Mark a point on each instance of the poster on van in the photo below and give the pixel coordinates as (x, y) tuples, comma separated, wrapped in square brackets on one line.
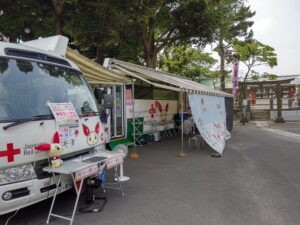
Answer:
[(67, 120), (64, 113)]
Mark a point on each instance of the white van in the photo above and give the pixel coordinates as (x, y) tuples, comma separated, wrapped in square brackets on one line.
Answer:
[(32, 75)]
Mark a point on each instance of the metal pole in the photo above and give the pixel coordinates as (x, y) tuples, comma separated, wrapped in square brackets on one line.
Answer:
[(77, 198), (133, 116), (54, 198), (181, 99), (133, 154), (181, 153)]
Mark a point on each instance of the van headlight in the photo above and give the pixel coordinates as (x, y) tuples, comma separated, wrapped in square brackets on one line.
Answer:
[(17, 174)]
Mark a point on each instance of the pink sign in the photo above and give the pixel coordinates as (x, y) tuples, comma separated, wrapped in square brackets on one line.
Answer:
[(235, 77), (114, 161), (86, 172), (129, 100)]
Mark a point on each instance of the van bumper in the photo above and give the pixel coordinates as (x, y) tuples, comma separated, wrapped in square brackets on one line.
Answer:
[(26, 193)]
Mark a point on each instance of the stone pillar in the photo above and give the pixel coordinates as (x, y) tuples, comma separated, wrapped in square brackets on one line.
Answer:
[(290, 103), (271, 104), (279, 118), (249, 105)]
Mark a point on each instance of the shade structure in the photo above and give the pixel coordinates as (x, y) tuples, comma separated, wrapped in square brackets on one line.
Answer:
[(167, 81), (93, 72), (162, 79)]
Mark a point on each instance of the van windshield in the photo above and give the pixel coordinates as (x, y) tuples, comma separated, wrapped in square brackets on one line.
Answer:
[(27, 87)]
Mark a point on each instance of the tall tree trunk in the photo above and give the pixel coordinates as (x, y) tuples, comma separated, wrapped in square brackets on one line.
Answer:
[(100, 54), (222, 62), (149, 45), (58, 7), (245, 86), (151, 59)]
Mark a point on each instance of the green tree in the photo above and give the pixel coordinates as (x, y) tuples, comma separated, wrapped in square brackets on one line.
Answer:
[(188, 62), (29, 19), (233, 22), (131, 30), (101, 29), (253, 53), (161, 23), (26, 19), (268, 76)]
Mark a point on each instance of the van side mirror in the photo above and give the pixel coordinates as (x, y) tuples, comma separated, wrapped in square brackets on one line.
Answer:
[(108, 101), (99, 94), (104, 113)]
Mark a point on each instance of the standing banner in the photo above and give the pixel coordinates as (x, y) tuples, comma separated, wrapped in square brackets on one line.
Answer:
[(210, 118), (235, 77), (129, 100)]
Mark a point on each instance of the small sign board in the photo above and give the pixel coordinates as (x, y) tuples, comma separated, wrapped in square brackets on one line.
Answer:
[(64, 113), (86, 172), (114, 161), (129, 100)]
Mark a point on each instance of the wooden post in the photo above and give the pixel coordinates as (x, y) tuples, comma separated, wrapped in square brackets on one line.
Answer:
[(290, 102), (181, 153), (271, 104), (279, 118), (249, 105), (133, 155)]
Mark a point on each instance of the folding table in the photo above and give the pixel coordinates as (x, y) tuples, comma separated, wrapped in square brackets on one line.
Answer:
[(78, 170)]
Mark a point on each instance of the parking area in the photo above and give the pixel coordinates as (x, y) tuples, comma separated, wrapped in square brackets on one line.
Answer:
[(255, 182)]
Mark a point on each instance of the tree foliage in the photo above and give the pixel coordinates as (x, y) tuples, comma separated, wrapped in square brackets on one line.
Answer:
[(188, 62), (234, 21), (138, 31), (26, 19), (266, 76), (162, 23), (253, 53), (95, 27)]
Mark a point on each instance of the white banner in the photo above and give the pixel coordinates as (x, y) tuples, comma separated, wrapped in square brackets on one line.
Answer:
[(153, 110), (210, 118)]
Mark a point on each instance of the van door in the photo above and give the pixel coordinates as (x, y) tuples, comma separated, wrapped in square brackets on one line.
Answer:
[(118, 111)]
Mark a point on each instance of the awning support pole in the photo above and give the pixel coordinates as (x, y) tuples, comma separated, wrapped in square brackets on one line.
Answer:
[(181, 153), (133, 154)]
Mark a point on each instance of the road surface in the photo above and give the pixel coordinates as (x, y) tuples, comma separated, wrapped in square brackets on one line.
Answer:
[(256, 182)]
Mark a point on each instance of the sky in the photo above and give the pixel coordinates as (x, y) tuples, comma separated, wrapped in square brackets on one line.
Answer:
[(277, 23)]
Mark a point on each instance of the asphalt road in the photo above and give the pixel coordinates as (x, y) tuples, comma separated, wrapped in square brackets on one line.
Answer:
[(256, 182)]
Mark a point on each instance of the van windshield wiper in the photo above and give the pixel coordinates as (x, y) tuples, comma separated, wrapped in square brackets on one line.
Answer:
[(34, 118)]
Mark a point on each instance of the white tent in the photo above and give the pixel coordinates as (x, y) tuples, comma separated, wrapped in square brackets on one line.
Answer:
[(163, 80)]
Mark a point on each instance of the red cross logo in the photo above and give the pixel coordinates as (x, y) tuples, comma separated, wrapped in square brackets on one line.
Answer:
[(152, 111), (10, 152)]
